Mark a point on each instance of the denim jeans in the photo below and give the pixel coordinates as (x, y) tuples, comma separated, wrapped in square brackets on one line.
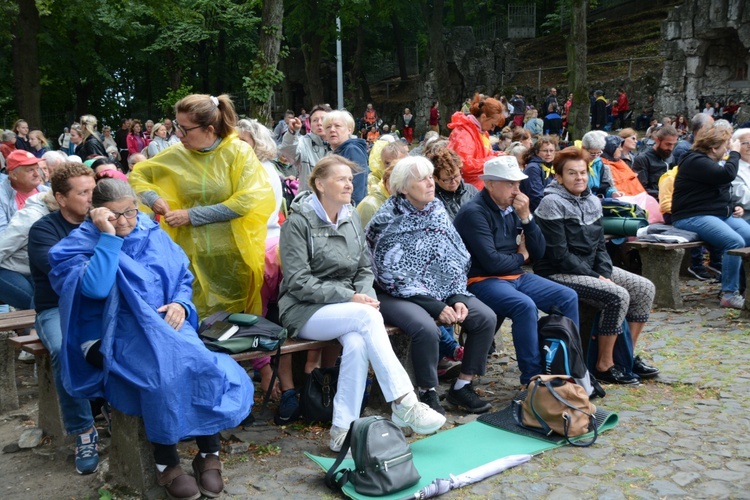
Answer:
[(448, 345), (722, 234), (519, 300), (16, 289), (76, 413)]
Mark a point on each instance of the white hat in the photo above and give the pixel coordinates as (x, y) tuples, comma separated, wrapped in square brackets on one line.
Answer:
[(502, 168)]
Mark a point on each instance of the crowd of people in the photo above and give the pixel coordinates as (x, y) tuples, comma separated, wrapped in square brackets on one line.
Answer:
[(140, 234)]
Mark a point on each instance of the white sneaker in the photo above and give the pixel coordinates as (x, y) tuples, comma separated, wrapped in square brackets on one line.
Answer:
[(420, 417), (338, 436), (26, 357)]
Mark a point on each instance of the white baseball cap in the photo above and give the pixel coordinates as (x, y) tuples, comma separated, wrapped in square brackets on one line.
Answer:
[(502, 168)]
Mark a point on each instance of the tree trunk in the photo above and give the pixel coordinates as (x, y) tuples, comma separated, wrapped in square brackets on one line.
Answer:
[(269, 47), (400, 50), (458, 12), (26, 64), (438, 61), (358, 75), (578, 120), (311, 43)]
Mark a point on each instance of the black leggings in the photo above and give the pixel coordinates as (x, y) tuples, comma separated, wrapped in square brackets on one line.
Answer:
[(166, 454)]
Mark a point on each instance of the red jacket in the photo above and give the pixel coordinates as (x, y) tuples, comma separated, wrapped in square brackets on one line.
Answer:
[(622, 103), (434, 116), (466, 140)]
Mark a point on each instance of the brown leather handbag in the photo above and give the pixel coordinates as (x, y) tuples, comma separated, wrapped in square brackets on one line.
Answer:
[(554, 403)]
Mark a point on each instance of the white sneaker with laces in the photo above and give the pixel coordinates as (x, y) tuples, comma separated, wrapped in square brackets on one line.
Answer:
[(26, 357), (420, 417), (338, 435)]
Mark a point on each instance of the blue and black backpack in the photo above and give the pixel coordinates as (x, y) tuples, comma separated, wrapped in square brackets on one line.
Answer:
[(562, 352)]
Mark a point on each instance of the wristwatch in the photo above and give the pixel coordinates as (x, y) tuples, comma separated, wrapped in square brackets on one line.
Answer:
[(527, 219)]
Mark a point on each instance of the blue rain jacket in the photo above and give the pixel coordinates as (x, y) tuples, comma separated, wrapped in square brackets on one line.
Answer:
[(168, 377)]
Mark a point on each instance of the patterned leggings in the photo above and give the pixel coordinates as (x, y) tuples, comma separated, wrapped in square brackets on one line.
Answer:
[(627, 296)]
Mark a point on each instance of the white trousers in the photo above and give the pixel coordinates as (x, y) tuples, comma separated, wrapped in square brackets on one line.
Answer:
[(361, 331)]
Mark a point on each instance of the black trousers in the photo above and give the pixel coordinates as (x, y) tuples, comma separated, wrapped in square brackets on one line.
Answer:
[(166, 454), (479, 326)]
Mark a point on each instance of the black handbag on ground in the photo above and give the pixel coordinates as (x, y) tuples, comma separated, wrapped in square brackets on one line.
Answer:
[(316, 400), (382, 459)]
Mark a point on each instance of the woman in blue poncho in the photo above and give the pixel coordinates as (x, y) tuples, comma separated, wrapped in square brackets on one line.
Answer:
[(129, 336)]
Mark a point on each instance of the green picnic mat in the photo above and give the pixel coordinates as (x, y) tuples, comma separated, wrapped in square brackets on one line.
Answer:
[(456, 451)]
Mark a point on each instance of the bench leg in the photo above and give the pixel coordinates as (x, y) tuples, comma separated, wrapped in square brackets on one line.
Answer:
[(8, 389), (131, 461), (662, 267), (50, 420)]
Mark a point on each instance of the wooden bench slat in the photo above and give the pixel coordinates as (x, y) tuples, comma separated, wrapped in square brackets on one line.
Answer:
[(664, 246), (17, 320), (21, 340), (740, 252), (35, 348)]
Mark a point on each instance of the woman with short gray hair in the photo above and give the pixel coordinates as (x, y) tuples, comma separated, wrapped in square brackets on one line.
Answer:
[(600, 176), (420, 265), (130, 337)]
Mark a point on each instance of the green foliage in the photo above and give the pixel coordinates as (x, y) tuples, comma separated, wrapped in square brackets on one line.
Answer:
[(104, 494), (167, 103), (261, 82)]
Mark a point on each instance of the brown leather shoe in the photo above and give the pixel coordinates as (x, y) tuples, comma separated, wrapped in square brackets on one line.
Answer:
[(208, 475), (178, 484)]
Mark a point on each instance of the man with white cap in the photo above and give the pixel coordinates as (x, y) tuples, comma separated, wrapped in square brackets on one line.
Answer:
[(24, 181), (499, 231)]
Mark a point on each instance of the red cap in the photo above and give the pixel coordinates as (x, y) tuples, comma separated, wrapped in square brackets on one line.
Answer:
[(20, 158)]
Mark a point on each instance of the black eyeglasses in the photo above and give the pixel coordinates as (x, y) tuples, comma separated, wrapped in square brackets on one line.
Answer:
[(128, 214), (182, 129)]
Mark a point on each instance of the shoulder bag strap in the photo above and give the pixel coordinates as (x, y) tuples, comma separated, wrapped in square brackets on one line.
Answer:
[(332, 481), (547, 430), (592, 419)]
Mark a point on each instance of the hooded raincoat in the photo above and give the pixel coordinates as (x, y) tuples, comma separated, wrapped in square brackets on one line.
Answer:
[(168, 377), (227, 257), (472, 145)]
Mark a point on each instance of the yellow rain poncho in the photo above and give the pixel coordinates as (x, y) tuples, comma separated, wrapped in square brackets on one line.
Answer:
[(227, 258)]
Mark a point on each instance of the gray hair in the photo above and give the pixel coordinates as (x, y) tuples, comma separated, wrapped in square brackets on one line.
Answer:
[(594, 139), (721, 123), (133, 159), (8, 135), (699, 121), (108, 190), (54, 158), (741, 132), (341, 116), (408, 169), (265, 147)]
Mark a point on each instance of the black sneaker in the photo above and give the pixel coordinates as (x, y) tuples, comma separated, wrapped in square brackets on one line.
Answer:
[(701, 273), (289, 410), (467, 399), (431, 399), (643, 370)]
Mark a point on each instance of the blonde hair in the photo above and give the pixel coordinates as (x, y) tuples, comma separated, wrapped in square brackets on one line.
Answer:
[(342, 116), (88, 125), (39, 135), (209, 111), (323, 168)]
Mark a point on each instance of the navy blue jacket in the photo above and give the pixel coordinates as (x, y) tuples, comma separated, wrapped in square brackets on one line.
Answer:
[(490, 237), (356, 151)]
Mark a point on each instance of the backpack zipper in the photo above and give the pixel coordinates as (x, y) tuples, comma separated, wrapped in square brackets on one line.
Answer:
[(396, 461)]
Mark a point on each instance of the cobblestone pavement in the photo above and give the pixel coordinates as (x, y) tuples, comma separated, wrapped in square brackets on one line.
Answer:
[(682, 435)]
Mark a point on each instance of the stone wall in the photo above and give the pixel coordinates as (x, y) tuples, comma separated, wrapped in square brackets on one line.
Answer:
[(707, 51)]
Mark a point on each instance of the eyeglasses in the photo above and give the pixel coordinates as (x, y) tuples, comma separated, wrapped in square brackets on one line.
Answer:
[(451, 179), (128, 214), (594, 153), (184, 130), (745, 143)]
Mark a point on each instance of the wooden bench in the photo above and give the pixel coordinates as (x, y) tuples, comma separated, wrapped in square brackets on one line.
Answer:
[(16, 322), (661, 264), (744, 253)]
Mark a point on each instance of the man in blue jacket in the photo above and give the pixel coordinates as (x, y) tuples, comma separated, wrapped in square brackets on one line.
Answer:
[(499, 231)]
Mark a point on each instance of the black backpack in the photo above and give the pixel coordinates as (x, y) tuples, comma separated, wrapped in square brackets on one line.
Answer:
[(562, 352), (382, 459)]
